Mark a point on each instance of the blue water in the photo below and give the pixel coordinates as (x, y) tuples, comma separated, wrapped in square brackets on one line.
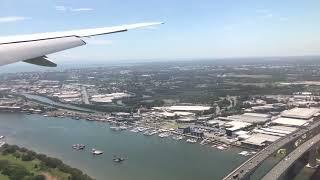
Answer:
[(148, 157)]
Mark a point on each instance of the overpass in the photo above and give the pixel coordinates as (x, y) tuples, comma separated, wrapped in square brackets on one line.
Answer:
[(285, 164), (293, 141)]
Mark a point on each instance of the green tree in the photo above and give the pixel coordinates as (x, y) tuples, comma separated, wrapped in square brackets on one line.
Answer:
[(27, 157), (3, 164), (17, 155)]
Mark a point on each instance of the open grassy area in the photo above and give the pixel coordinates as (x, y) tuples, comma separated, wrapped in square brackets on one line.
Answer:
[(18, 163), (3, 177), (29, 165), (33, 167)]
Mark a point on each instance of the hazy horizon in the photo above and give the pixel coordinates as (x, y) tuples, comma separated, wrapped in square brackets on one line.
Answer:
[(73, 64)]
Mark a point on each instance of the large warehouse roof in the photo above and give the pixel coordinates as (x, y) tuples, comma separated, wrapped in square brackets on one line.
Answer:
[(259, 139), (289, 121), (185, 108), (248, 117), (300, 113), (237, 125)]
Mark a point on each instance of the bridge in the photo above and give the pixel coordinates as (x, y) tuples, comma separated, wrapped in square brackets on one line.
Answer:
[(283, 167), (296, 144)]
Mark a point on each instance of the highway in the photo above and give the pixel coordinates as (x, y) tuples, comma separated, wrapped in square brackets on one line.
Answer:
[(290, 159), (247, 168), (84, 93)]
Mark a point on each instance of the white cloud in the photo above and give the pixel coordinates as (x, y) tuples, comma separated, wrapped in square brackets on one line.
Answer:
[(61, 8), (71, 9), (98, 42), (7, 19), (80, 9)]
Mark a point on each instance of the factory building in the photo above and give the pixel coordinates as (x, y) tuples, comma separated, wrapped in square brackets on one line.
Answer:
[(296, 117), (253, 118), (258, 140), (194, 109)]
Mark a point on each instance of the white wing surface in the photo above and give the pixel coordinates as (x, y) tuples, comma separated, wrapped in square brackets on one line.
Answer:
[(33, 48)]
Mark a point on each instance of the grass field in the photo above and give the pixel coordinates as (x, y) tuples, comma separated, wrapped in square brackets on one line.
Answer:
[(32, 167)]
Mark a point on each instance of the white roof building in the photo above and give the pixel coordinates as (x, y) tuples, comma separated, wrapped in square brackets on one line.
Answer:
[(260, 139), (102, 99), (176, 113), (254, 118), (184, 108), (237, 125), (289, 122), (300, 113)]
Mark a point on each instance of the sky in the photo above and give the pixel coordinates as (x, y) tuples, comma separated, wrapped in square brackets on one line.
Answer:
[(193, 28)]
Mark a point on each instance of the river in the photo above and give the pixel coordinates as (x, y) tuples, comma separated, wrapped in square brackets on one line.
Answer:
[(148, 157)]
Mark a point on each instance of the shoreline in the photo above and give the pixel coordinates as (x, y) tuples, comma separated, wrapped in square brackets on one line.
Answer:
[(110, 120)]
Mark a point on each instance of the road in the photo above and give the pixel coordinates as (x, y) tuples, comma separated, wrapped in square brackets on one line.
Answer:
[(84, 93), (285, 163), (247, 168)]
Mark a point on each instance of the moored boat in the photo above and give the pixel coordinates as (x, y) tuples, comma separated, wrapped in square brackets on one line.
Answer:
[(96, 152), (191, 140)]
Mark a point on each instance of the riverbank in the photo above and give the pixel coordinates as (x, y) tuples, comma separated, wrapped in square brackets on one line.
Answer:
[(21, 163), (145, 128), (207, 135)]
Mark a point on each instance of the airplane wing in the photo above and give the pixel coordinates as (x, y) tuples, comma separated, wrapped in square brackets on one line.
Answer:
[(33, 48)]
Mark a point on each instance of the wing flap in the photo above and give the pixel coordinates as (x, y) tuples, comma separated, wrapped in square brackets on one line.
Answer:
[(41, 61)]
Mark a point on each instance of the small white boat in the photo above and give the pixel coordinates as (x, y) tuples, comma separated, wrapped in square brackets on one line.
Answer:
[(164, 135), (115, 128), (78, 146), (1, 137), (191, 140), (96, 152), (244, 153), (180, 137), (135, 130), (122, 128), (221, 148)]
